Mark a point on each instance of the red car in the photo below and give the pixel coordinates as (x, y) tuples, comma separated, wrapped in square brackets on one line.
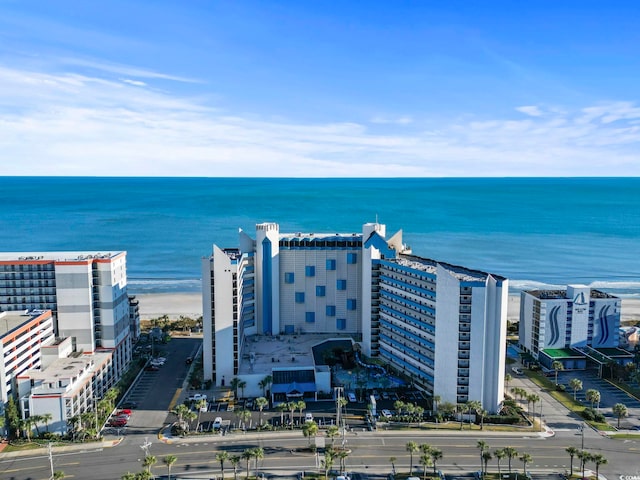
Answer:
[(124, 411), (117, 422)]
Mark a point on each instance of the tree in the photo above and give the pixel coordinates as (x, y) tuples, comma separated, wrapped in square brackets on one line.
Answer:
[(300, 405), (598, 459), (261, 402), (473, 406), (342, 455), (526, 458), (557, 366), (128, 476), (593, 396), (482, 446), (235, 383), (243, 416), (435, 454), (222, 457), (292, 408), (265, 383), (309, 429), (13, 418), (169, 460), (327, 462), (149, 461), (575, 384), (572, 451), (486, 456), (534, 398), (411, 447), (425, 461), (235, 461), (46, 418), (247, 455), (282, 407), (58, 475), (510, 453), (332, 432), (499, 454), (507, 379), (242, 385), (200, 405), (436, 401), (258, 454), (462, 407), (584, 457), (619, 410), (392, 460)]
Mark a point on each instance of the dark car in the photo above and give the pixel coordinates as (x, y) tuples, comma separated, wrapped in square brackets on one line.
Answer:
[(151, 368), (130, 405)]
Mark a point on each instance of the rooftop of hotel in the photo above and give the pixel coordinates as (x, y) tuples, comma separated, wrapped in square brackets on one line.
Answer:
[(55, 256), (14, 319), (562, 294), (262, 353), (430, 266)]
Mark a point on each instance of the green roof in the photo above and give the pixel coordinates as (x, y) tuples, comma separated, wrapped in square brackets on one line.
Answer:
[(614, 352), (562, 353)]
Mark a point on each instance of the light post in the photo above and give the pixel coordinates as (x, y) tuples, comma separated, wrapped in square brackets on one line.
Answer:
[(582, 433)]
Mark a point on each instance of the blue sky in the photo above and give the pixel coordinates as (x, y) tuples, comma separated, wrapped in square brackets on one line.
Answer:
[(311, 88)]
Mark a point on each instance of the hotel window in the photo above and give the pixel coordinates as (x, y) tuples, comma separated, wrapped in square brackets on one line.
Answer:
[(321, 291), (352, 258), (310, 271), (351, 303), (289, 277), (299, 297), (331, 264), (331, 310), (341, 284), (310, 317), (341, 323)]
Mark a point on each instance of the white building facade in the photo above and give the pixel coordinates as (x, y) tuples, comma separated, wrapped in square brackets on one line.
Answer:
[(86, 291), (422, 317)]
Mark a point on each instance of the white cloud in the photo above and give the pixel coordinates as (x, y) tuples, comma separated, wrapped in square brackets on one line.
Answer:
[(72, 124), (401, 120), (531, 110)]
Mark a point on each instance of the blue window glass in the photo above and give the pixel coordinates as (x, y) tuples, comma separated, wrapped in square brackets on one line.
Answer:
[(310, 271), (331, 310), (289, 277), (351, 303), (299, 297), (352, 258), (341, 284), (310, 317), (341, 323), (331, 264), (321, 291)]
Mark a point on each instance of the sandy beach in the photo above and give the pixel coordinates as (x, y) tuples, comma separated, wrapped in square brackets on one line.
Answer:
[(190, 305)]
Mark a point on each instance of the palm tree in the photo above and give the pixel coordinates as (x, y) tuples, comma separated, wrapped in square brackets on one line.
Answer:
[(332, 432), (282, 407), (507, 379), (584, 457), (169, 460), (575, 384), (482, 446), (557, 366), (58, 475), (258, 454), (598, 459), (435, 454), (128, 476), (235, 461), (222, 457), (462, 407), (243, 416), (342, 455), (327, 462), (619, 410), (46, 418), (189, 417), (200, 404), (265, 383), (261, 402), (436, 401), (393, 465), (292, 408), (526, 458), (593, 396), (181, 411), (242, 385), (149, 461), (411, 447), (235, 383), (486, 456), (572, 451), (144, 475), (499, 454), (309, 429), (475, 406), (247, 455), (510, 452), (534, 398), (425, 461), (300, 405)]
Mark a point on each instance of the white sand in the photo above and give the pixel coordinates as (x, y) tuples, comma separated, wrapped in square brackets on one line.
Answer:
[(190, 305), (171, 304)]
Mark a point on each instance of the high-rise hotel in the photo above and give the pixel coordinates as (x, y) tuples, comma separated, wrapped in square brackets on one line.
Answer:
[(441, 325)]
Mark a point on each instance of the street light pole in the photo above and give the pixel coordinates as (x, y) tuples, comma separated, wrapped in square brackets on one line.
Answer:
[(582, 430)]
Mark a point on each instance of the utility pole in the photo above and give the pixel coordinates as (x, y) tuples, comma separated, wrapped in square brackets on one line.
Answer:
[(582, 430), (51, 460)]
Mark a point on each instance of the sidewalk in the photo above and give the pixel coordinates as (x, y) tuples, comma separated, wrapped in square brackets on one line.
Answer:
[(76, 447)]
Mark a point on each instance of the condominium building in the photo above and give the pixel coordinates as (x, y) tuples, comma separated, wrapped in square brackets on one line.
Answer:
[(570, 326), (86, 291), (22, 335), (418, 315)]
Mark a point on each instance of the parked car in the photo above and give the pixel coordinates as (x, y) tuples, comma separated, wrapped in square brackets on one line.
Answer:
[(308, 417), (129, 405), (151, 368), (124, 411), (387, 413), (197, 397), (217, 423), (351, 397), (117, 422), (516, 370)]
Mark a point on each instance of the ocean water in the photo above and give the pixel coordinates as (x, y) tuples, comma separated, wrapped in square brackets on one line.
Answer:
[(535, 231)]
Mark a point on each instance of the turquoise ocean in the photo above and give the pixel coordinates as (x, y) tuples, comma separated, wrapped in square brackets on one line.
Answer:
[(535, 231)]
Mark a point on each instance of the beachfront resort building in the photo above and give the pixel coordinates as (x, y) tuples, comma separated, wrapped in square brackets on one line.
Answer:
[(86, 292), (440, 326), (578, 326), (22, 335)]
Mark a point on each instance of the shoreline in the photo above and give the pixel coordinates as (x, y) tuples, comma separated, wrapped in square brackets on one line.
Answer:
[(189, 304)]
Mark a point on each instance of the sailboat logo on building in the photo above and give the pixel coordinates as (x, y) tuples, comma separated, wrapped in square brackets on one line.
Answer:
[(579, 299)]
